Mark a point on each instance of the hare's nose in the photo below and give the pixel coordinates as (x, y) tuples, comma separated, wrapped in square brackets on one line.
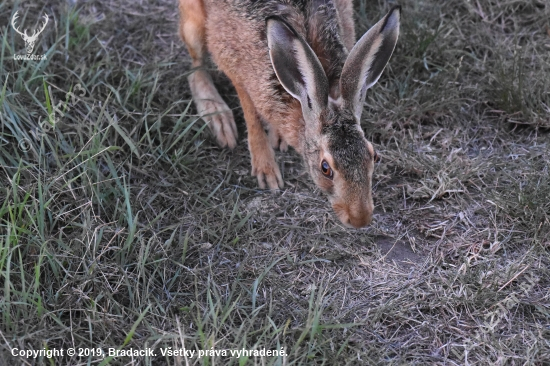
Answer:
[(360, 213), (360, 221), (354, 216)]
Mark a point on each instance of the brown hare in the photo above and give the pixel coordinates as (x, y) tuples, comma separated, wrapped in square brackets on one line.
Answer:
[(299, 75)]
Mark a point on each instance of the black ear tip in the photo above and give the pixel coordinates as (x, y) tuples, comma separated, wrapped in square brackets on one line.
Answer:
[(392, 19), (396, 8), (394, 12)]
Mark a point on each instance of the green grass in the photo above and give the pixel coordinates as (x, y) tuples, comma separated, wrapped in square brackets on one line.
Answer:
[(123, 225)]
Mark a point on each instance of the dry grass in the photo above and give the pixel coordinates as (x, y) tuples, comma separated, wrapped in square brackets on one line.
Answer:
[(125, 226)]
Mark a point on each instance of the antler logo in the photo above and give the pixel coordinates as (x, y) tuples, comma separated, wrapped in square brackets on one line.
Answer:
[(29, 40)]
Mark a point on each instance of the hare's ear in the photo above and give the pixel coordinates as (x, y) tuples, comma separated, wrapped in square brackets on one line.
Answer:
[(367, 60), (297, 67)]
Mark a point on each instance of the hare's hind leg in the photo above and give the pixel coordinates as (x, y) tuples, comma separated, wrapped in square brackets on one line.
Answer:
[(208, 101), (264, 166)]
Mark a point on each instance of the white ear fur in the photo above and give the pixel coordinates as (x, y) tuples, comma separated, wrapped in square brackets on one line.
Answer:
[(297, 67), (367, 59)]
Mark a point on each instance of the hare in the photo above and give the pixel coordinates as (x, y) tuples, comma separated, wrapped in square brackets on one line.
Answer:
[(299, 75)]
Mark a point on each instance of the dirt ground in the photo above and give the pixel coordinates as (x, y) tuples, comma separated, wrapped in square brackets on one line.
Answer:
[(123, 225)]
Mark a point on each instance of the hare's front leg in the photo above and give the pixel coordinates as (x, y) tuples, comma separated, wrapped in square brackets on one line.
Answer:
[(208, 101), (264, 166), (276, 140)]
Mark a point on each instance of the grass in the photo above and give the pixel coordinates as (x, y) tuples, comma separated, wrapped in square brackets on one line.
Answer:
[(123, 225)]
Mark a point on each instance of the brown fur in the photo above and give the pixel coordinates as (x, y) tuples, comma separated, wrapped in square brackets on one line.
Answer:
[(235, 34), (192, 29), (209, 103)]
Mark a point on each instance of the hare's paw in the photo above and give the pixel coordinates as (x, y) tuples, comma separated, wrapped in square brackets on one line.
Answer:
[(213, 110), (276, 140), (220, 120), (267, 171)]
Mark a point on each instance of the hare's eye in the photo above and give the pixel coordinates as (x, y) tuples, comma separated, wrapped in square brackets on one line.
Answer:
[(326, 169)]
